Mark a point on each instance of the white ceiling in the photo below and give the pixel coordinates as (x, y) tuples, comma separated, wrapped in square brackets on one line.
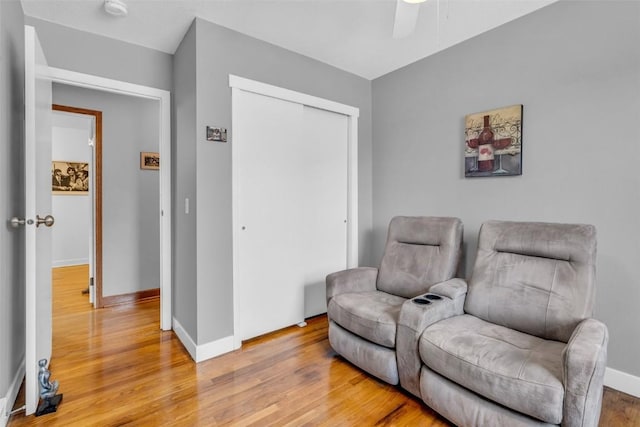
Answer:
[(353, 35)]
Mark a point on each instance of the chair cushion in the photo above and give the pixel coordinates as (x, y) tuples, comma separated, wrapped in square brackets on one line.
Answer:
[(370, 315), (514, 369)]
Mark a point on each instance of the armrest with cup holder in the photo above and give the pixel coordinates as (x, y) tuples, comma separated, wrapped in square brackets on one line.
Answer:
[(443, 300)]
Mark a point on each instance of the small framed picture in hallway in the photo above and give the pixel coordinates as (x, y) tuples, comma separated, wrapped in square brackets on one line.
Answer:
[(149, 160), (69, 178)]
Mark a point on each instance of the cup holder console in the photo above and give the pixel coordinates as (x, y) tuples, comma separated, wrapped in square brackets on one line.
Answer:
[(427, 299)]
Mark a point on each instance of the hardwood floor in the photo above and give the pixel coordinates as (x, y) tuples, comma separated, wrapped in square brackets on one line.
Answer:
[(116, 367)]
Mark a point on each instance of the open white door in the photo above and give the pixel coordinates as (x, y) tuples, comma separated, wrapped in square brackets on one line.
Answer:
[(38, 207)]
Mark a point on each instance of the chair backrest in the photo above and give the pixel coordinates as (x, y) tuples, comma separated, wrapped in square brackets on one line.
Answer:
[(420, 252), (538, 278)]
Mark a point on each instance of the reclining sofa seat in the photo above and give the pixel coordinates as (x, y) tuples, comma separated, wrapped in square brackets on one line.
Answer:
[(364, 304), (525, 351)]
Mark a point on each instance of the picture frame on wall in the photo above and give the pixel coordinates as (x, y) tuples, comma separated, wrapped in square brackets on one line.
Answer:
[(493, 142), (69, 178), (149, 160)]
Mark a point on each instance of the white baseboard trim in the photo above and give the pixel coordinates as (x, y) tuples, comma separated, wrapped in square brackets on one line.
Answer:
[(69, 262), (214, 348), (4, 417), (7, 402), (184, 338), (202, 352), (622, 381)]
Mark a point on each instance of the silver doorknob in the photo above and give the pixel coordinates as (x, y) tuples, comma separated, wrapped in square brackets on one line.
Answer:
[(47, 220), (16, 222)]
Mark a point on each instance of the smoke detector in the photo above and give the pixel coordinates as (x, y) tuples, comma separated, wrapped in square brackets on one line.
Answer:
[(115, 7)]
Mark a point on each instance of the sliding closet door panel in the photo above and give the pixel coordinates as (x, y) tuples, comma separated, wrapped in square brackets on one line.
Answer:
[(266, 133), (291, 189), (324, 238)]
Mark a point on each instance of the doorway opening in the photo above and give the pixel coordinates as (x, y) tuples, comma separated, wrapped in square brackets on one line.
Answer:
[(127, 193), (77, 160), (162, 126)]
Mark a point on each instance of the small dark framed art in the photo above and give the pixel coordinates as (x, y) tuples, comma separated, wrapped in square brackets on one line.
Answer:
[(149, 160)]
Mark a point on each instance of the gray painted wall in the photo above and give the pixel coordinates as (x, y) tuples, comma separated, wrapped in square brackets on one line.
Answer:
[(130, 195), (88, 53), (576, 68), (12, 326), (184, 184), (220, 52)]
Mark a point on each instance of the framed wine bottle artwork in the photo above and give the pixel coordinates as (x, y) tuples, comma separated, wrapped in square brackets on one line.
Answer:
[(493, 142)]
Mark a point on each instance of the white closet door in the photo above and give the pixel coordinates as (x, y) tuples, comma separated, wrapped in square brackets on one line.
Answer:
[(291, 185), (324, 238)]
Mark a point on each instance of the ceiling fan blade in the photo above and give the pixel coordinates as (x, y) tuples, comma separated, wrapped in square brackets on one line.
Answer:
[(406, 19)]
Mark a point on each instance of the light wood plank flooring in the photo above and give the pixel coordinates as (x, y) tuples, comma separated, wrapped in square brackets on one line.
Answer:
[(117, 368)]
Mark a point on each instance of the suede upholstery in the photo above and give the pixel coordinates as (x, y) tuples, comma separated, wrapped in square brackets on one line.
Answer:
[(517, 370), (534, 277), (370, 315), (361, 279), (525, 351), (420, 251), (584, 360), (380, 361), (465, 408), (414, 318), (364, 304)]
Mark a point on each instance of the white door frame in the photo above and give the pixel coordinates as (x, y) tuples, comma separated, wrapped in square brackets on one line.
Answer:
[(163, 97), (352, 113)]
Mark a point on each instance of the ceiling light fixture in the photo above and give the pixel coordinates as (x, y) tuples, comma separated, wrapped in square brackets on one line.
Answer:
[(414, 1), (115, 7)]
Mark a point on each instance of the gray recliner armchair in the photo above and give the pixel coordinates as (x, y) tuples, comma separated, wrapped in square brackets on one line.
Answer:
[(525, 351), (364, 304)]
